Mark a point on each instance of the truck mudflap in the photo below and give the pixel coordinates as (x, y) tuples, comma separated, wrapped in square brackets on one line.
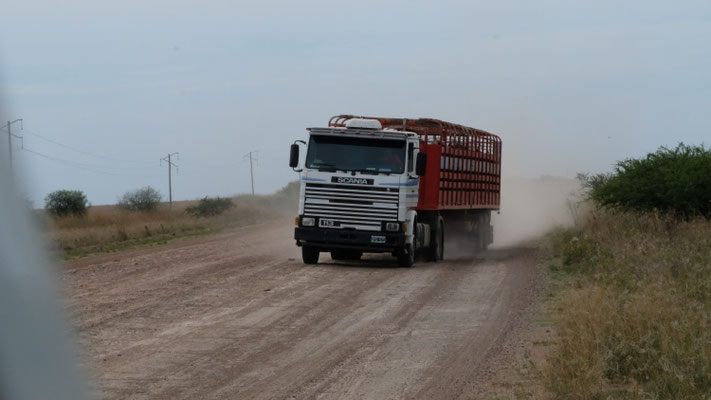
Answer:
[(327, 239)]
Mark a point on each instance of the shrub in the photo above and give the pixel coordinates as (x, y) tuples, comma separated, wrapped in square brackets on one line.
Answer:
[(145, 199), (209, 207), (676, 182), (66, 202)]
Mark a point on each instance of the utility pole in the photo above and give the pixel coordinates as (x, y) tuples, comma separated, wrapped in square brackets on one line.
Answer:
[(9, 138), (251, 167), (170, 163)]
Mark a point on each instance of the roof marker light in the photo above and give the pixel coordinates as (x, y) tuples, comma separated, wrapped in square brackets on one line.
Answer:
[(364, 123)]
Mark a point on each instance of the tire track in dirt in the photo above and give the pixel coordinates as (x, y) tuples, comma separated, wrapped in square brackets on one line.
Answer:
[(238, 315)]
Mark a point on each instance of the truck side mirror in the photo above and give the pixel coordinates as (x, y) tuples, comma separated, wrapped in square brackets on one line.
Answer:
[(421, 164), (294, 156)]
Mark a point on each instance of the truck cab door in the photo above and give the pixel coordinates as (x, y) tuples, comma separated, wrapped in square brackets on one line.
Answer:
[(412, 184)]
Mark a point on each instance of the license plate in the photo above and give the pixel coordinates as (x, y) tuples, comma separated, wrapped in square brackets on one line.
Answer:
[(377, 239), (327, 223)]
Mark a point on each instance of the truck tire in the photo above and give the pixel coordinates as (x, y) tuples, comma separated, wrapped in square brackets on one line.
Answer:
[(476, 234), (435, 251), (406, 258), (309, 255), (485, 231), (481, 233)]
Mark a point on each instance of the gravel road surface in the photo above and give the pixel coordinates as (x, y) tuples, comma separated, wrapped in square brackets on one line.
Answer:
[(238, 316)]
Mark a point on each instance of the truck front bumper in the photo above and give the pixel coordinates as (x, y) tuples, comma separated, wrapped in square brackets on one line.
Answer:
[(328, 239)]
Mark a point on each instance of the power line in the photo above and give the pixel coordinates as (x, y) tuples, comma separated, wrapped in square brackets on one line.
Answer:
[(82, 166), (88, 153), (200, 164), (65, 162), (99, 166)]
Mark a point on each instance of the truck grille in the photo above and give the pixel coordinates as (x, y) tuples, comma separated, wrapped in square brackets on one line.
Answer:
[(355, 207)]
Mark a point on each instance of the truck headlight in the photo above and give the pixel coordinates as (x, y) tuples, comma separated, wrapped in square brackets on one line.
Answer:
[(308, 221), (392, 226)]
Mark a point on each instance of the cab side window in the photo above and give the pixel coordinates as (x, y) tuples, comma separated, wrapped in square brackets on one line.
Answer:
[(410, 157)]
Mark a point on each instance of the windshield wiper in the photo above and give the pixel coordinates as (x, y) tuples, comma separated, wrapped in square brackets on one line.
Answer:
[(366, 171), (324, 167)]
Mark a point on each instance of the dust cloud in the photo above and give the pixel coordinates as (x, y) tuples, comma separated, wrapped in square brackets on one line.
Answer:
[(531, 207)]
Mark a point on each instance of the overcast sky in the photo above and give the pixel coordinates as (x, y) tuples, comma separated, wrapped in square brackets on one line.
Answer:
[(108, 88)]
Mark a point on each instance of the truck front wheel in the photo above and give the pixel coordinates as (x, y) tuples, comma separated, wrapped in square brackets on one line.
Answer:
[(406, 257), (309, 255)]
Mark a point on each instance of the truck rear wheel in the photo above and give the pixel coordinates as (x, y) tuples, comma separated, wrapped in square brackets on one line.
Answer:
[(435, 251), (484, 232), (309, 255)]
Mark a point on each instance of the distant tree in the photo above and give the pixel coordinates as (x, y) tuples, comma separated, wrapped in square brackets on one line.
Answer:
[(675, 182), (66, 202), (210, 206), (145, 199)]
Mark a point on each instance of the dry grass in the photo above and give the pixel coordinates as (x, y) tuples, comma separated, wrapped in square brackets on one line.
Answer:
[(633, 309), (107, 228)]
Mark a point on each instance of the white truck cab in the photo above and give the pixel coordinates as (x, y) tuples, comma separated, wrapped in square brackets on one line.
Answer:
[(359, 184)]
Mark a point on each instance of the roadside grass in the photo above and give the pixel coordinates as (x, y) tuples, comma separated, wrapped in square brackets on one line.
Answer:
[(109, 229), (631, 308)]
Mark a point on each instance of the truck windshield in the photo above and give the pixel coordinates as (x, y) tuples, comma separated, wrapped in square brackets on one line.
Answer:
[(356, 154)]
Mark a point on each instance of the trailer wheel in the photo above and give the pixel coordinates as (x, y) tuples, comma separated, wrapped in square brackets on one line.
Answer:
[(476, 234), (309, 255), (484, 232), (435, 251), (406, 258), (484, 237)]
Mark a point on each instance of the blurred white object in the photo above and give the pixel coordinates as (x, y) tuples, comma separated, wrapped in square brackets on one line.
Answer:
[(37, 357)]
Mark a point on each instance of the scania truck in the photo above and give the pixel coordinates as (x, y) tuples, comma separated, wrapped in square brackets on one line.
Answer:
[(395, 185)]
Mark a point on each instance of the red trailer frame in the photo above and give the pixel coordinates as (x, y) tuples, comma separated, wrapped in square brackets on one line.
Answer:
[(463, 163)]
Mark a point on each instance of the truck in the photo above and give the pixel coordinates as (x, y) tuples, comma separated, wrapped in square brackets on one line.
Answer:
[(395, 185)]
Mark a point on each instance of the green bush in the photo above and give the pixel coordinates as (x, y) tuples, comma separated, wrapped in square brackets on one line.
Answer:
[(66, 202), (674, 182), (210, 206), (145, 199)]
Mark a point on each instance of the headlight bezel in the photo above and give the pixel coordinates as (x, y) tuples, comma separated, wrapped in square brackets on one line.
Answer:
[(392, 226)]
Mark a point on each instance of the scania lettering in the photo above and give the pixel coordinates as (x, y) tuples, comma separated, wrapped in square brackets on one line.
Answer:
[(395, 185), (352, 181)]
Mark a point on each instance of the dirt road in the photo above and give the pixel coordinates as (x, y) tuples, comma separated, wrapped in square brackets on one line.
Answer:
[(238, 315)]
